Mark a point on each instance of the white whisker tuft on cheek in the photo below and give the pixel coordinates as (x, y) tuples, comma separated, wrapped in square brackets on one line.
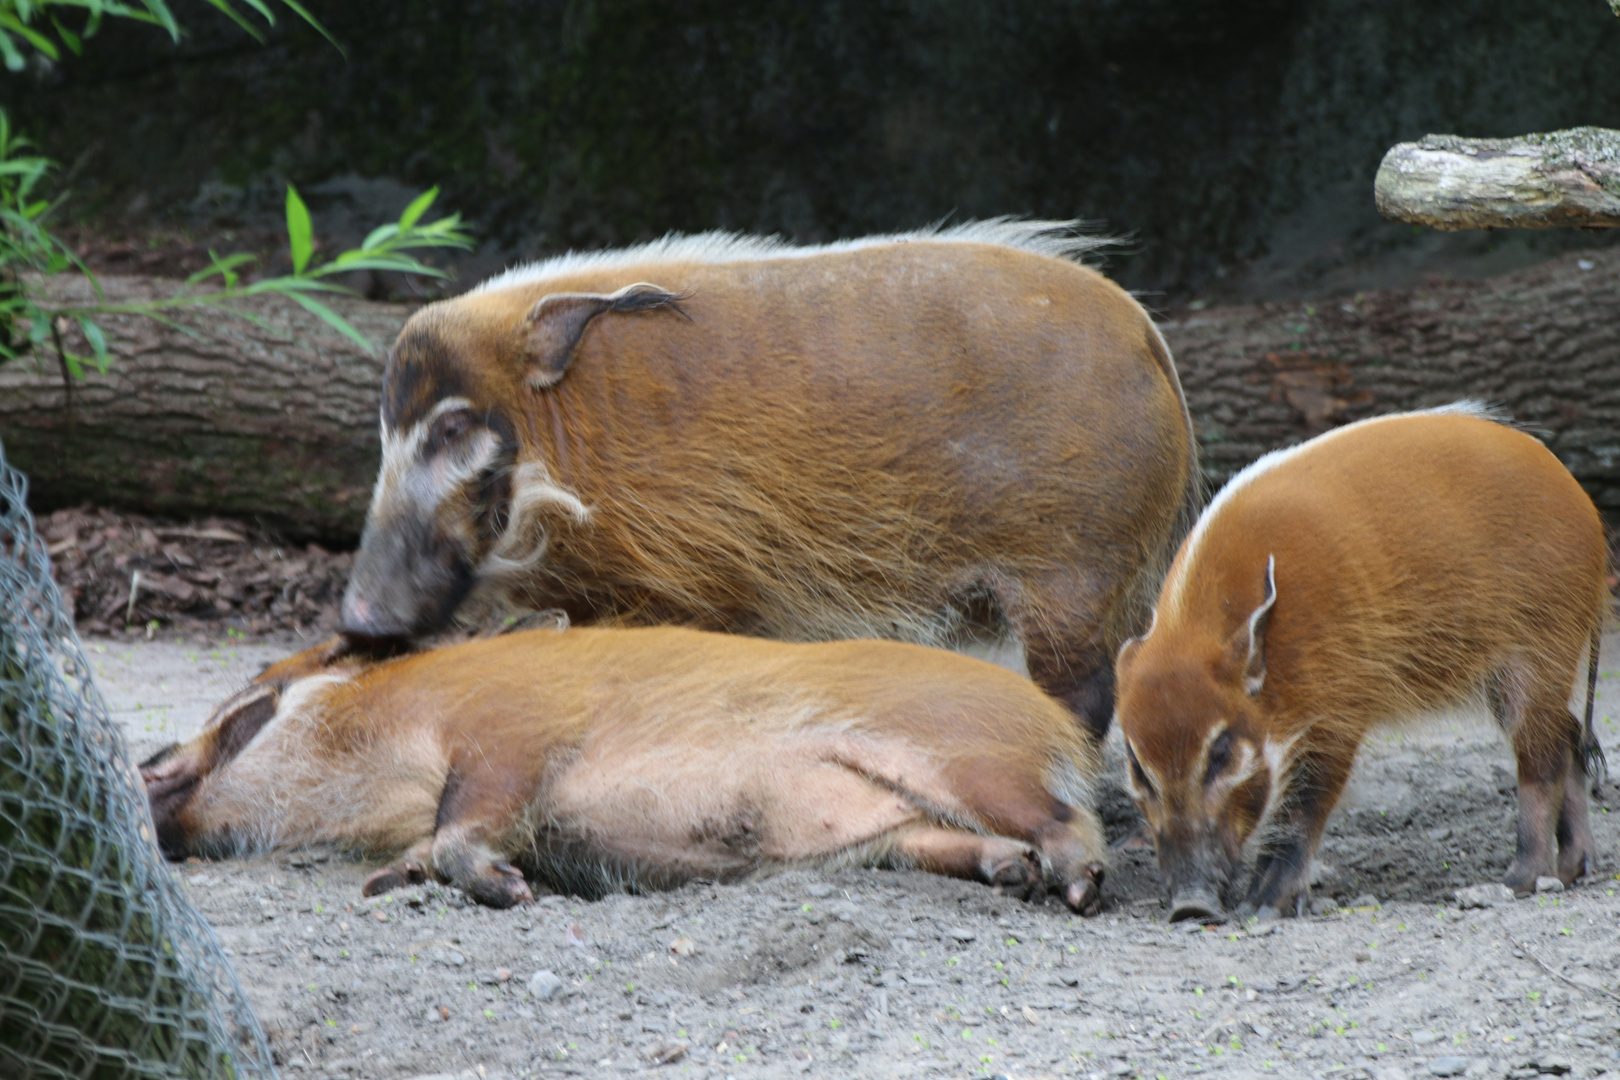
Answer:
[(523, 543)]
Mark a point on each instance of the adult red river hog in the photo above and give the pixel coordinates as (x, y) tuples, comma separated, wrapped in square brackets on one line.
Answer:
[(596, 759), (907, 437), (1389, 569)]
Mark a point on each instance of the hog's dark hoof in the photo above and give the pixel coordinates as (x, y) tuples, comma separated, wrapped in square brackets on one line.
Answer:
[(1201, 905), (1019, 877), (1085, 894), (1248, 913), (394, 877), (502, 886), (1523, 881)]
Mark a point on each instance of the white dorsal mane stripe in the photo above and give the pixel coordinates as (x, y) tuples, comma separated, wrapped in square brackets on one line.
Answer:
[(1176, 584), (1056, 239)]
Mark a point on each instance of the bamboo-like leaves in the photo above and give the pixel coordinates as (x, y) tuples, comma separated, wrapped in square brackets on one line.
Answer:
[(386, 249), (22, 21), (28, 248), (300, 233)]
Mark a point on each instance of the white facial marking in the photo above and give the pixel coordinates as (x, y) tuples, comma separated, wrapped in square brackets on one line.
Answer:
[(1147, 770), (1245, 764), (407, 485), (1279, 756)]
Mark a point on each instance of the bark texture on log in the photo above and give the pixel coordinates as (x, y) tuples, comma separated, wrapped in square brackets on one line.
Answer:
[(275, 422), (1529, 182), (279, 424), (1544, 344)]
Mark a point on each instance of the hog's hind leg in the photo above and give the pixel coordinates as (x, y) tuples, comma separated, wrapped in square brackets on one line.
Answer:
[(1553, 836), (1574, 830), (1057, 617), (1067, 839)]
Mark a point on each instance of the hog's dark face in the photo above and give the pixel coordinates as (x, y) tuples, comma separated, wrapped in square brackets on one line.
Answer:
[(1201, 780), (454, 505), (442, 496), (174, 775)]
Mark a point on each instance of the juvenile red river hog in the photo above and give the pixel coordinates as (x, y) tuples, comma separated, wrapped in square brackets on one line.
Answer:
[(592, 759), (929, 438), (1385, 571)]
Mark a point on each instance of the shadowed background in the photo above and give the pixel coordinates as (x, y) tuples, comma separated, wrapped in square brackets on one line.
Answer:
[(1235, 142)]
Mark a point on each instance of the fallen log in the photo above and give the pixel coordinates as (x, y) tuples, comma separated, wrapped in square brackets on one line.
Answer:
[(277, 423), (272, 420), (1544, 181), (1543, 344)]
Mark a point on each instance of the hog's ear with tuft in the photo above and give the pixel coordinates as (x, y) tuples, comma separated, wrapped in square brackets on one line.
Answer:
[(1251, 640), (554, 326)]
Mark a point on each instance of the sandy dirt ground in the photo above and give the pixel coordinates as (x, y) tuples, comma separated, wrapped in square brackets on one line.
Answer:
[(885, 974)]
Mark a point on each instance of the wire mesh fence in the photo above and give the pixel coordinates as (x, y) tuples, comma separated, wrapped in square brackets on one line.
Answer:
[(106, 970)]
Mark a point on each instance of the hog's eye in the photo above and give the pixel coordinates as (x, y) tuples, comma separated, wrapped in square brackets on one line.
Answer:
[(1143, 784), (1220, 756), (449, 428)]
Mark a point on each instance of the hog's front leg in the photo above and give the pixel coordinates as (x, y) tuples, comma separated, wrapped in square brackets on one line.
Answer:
[(1281, 882), (458, 860)]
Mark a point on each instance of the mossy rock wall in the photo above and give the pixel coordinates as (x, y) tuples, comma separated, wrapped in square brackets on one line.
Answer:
[(1206, 131)]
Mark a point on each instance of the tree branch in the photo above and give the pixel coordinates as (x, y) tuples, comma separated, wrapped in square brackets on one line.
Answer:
[(1528, 182)]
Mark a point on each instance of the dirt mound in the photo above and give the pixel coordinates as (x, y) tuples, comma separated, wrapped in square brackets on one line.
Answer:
[(125, 574)]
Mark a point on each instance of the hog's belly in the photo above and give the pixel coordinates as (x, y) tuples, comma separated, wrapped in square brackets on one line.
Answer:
[(727, 808)]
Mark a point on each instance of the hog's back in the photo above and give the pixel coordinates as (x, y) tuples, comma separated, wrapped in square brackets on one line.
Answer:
[(999, 372), (1415, 556), (898, 417)]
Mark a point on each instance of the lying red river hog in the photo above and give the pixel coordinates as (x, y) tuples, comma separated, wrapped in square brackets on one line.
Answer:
[(928, 438), (1389, 569), (595, 759)]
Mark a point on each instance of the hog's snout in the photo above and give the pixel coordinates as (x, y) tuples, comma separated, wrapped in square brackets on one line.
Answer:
[(1198, 871), (171, 779), (407, 583)]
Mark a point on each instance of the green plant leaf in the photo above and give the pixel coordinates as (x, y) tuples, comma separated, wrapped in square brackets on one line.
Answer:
[(332, 319), (360, 260), (226, 8), (69, 38), (418, 207), (224, 267), (8, 50), (303, 13), (378, 235), (32, 36), (300, 234), (290, 284), (98, 343), (156, 12)]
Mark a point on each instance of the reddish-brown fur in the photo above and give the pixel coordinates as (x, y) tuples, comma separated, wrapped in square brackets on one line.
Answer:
[(1421, 562), (595, 759), (897, 440)]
